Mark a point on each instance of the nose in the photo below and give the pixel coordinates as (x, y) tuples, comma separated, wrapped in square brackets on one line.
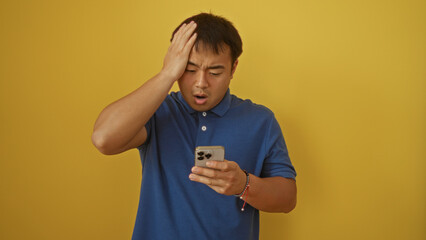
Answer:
[(201, 81)]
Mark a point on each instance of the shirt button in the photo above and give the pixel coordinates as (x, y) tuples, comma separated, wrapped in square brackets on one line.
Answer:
[(204, 114), (204, 128)]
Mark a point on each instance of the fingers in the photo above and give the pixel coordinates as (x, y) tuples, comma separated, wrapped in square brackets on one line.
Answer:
[(177, 32), (211, 182), (190, 43), (225, 177), (227, 185), (224, 168), (176, 59), (184, 33), (211, 173), (224, 165), (207, 176)]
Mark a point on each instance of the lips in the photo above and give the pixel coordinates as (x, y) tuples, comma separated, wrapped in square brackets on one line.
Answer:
[(200, 98)]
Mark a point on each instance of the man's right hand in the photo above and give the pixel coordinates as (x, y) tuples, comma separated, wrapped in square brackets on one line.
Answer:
[(177, 56), (121, 125)]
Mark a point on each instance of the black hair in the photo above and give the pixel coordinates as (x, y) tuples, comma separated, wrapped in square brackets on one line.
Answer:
[(213, 31)]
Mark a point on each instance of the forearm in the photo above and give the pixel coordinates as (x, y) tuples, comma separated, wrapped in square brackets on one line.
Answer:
[(120, 121), (121, 125), (275, 194)]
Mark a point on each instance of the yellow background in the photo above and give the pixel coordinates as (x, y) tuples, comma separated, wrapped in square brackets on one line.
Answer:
[(346, 80)]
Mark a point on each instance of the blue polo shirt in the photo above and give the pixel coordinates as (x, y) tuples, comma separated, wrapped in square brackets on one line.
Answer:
[(173, 207)]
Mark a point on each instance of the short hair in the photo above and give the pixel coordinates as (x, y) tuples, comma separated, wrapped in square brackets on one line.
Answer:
[(214, 31)]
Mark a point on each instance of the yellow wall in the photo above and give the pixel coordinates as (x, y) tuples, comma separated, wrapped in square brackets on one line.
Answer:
[(346, 80)]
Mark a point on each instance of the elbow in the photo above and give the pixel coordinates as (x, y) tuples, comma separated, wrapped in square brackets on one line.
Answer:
[(291, 200), (290, 206), (101, 143)]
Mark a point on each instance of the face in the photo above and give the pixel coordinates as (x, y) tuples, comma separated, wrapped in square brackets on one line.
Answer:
[(206, 78)]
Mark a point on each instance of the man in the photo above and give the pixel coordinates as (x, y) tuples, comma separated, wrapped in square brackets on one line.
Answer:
[(178, 200)]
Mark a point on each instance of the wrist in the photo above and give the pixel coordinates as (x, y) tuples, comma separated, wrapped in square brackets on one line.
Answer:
[(246, 182), (168, 76)]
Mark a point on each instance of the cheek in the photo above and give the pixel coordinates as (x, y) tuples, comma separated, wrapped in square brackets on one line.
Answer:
[(222, 84), (188, 77), (184, 82)]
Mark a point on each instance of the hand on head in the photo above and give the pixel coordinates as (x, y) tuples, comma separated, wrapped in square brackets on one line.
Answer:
[(178, 53)]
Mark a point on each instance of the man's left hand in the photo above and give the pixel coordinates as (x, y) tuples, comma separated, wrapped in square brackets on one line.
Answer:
[(225, 177)]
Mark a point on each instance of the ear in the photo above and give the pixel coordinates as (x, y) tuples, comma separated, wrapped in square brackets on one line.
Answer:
[(234, 67)]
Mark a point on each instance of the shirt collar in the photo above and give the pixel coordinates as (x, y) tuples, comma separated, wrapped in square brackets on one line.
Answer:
[(219, 109)]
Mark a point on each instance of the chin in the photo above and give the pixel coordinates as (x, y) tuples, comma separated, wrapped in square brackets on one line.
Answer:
[(200, 108)]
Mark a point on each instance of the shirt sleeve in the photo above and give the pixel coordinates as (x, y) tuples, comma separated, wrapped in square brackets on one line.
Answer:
[(148, 127), (277, 161)]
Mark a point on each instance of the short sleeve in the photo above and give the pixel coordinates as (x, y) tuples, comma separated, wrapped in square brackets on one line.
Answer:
[(148, 127), (277, 161)]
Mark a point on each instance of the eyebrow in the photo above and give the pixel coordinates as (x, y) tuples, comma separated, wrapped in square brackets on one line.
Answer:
[(209, 67)]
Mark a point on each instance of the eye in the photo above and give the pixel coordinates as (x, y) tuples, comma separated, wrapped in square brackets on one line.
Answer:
[(189, 70), (215, 74)]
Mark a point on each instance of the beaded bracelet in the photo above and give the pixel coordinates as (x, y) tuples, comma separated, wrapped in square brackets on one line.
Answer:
[(245, 191)]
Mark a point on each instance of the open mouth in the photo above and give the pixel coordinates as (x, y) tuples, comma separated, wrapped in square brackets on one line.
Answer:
[(200, 98)]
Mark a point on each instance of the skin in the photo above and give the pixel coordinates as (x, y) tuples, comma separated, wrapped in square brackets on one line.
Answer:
[(207, 75), (121, 125)]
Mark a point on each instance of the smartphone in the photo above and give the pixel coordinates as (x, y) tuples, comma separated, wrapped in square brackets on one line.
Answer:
[(206, 153)]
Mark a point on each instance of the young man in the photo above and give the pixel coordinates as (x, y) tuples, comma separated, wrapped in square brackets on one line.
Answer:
[(178, 200)]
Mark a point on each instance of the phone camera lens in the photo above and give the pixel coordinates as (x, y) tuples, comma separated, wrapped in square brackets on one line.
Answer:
[(208, 155)]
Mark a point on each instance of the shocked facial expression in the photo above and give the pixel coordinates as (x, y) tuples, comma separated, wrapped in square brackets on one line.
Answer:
[(207, 77)]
